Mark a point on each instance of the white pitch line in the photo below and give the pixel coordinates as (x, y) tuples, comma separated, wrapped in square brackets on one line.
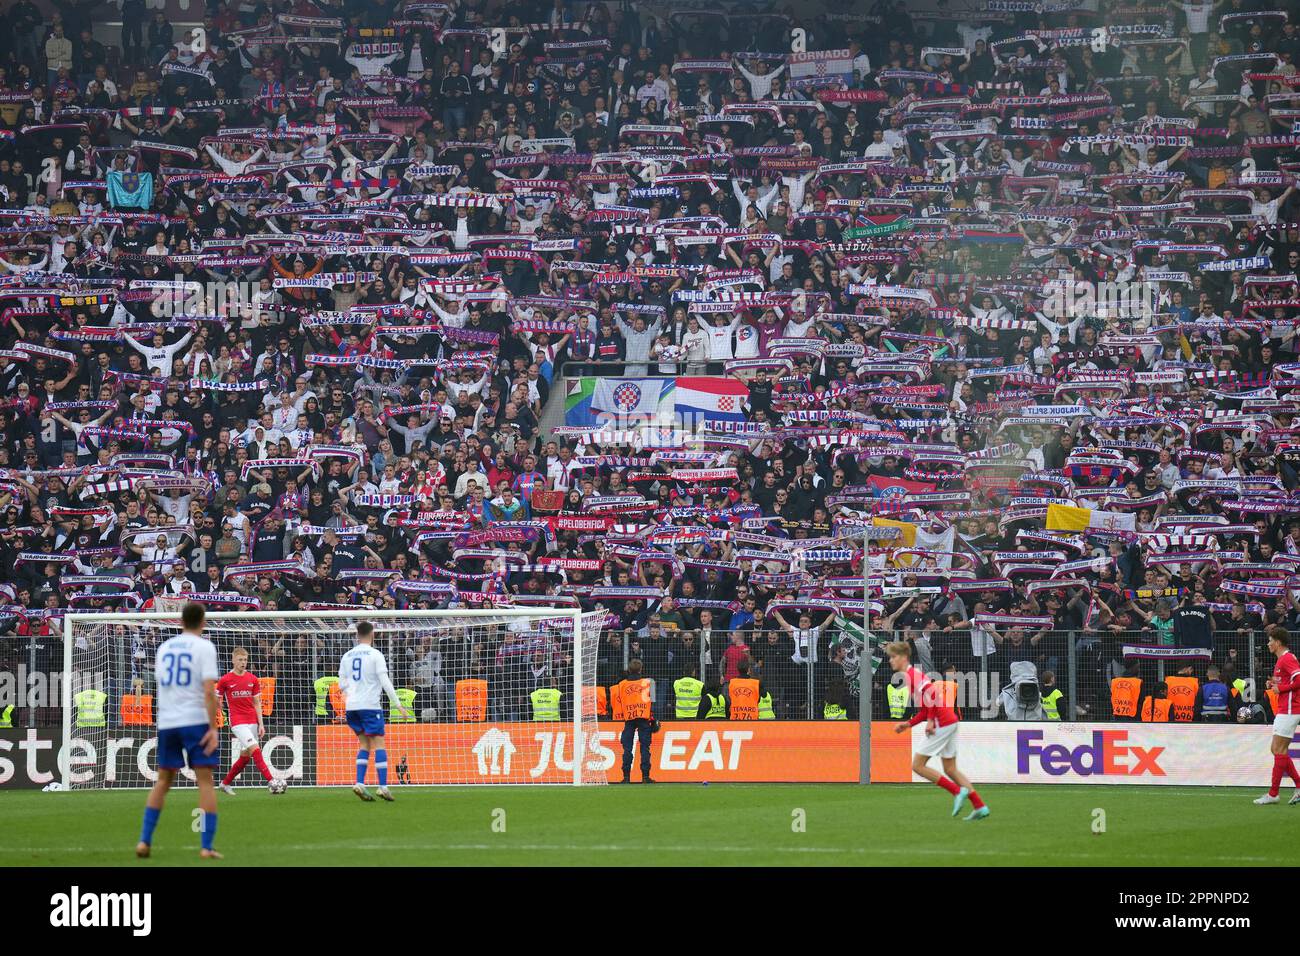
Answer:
[(693, 848)]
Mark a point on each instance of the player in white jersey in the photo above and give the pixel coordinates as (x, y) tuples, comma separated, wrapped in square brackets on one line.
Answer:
[(363, 679), (186, 671)]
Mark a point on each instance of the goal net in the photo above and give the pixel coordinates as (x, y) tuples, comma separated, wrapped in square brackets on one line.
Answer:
[(495, 696)]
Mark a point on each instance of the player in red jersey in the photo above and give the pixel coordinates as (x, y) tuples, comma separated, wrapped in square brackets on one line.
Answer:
[(243, 694), (1286, 681), (941, 723)]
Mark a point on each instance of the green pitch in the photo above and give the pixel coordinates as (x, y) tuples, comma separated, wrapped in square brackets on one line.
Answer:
[(738, 824)]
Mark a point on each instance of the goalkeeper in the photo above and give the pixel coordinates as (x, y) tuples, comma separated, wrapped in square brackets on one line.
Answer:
[(634, 691)]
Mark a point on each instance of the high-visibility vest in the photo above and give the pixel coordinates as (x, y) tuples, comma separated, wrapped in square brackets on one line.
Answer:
[(1160, 712), (137, 710), (546, 703), (717, 707), (616, 711), (897, 697), (405, 697), (743, 692), (1272, 700), (765, 711), (7, 718), (687, 691), (322, 686), (1214, 700), (90, 708), (636, 699), (1049, 703), (338, 701), (948, 693), (595, 702), (1124, 693), (1182, 695), (471, 700), (834, 712), (266, 689)]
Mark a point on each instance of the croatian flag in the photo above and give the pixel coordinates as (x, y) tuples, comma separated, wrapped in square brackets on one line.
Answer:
[(710, 398), (820, 68)]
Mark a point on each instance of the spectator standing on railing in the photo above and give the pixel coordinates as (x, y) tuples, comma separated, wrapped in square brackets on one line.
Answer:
[(638, 340)]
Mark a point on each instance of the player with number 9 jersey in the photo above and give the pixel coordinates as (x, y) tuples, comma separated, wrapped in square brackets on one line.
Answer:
[(364, 680)]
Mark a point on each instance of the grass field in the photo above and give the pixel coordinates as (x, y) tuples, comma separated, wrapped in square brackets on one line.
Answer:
[(737, 824)]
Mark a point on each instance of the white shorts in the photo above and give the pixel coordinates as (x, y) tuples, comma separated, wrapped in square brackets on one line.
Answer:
[(1284, 725), (246, 734), (942, 743)]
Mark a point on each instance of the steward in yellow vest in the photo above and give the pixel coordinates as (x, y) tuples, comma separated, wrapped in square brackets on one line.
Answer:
[(1053, 700), (713, 703), (898, 699), (405, 701), (89, 706), (546, 703), (686, 694), (322, 687)]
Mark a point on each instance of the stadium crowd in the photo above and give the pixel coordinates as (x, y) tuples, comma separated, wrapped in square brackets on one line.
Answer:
[(285, 297)]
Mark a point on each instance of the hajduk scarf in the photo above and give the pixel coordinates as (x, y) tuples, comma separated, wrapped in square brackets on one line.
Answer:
[(258, 568)]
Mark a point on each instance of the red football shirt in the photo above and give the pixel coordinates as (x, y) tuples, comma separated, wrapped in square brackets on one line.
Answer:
[(1286, 681), (239, 691), (928, 698)]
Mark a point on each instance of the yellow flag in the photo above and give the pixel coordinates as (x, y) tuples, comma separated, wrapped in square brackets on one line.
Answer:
[(906, 539), (1067, 518)]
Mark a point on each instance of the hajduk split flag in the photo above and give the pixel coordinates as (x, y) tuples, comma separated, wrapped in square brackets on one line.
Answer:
[(703, 397), (590, 401), (1070, 518)]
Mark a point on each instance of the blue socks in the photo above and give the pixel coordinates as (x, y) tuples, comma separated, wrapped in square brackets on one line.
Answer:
[(209, 830), (363, 764), (381, 766), (150, 821)]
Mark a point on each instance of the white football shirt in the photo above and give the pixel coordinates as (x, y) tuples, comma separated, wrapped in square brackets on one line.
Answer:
[(181, 666), (363, 678)]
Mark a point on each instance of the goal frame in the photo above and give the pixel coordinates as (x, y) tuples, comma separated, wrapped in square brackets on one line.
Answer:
[(574, 614)]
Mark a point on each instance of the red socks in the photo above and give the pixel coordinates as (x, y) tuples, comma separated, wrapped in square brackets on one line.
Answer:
[(238, 765), (1282, 767), (952, 788), (260, 761)]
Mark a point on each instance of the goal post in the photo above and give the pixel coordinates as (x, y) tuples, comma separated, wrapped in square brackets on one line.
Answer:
[(505, 695)]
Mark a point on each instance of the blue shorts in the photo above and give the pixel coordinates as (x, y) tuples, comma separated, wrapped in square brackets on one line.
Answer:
[(178, 743), (368, 722)]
